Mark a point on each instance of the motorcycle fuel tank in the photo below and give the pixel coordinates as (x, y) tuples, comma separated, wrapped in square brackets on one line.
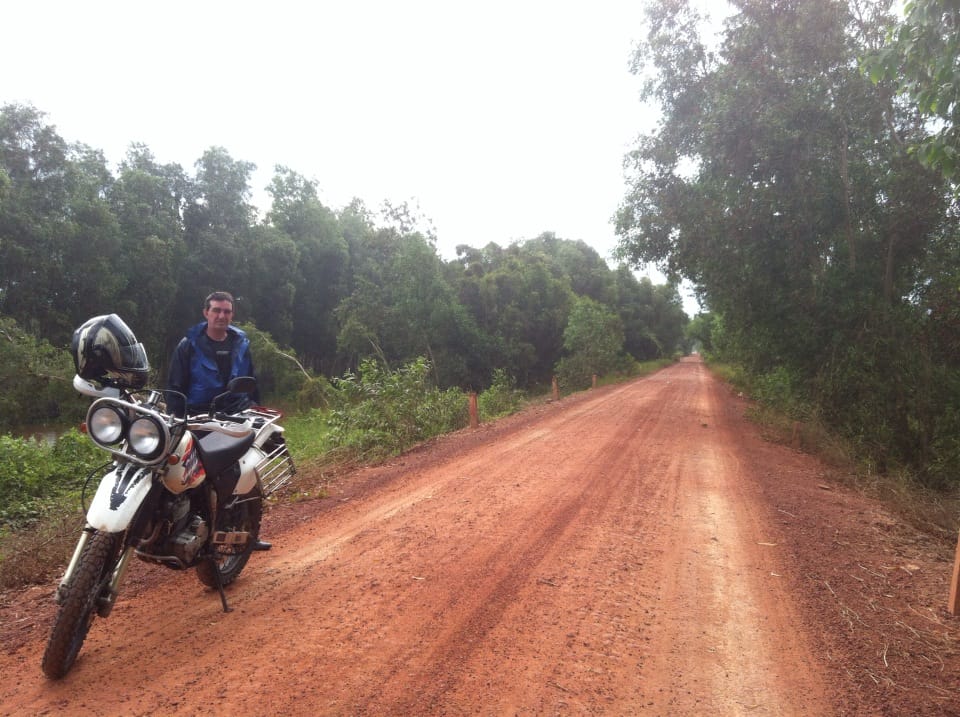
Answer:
[(187, 472)]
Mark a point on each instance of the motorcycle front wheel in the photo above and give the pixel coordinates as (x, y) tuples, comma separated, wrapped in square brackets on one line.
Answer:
[(78, 606), (229, 560)]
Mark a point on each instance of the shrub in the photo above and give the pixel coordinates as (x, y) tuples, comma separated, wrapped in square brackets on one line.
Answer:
[(501, 398), (34, 474), (378, 412)]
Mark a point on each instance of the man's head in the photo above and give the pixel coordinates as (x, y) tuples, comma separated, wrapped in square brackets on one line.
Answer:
[(218, 311), (217, 296)]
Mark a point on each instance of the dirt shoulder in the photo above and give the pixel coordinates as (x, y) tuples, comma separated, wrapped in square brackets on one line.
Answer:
[(637, 549)]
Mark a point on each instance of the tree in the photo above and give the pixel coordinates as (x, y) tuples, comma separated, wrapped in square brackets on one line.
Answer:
[(778, 182), (320, 280), (519, 298), (922, 60), (146, 198), (401, 308), (593, 343), (58, 239), (773, 182), (218, 220)]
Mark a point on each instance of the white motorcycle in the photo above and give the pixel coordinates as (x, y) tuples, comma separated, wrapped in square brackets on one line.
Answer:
[(181, 492)]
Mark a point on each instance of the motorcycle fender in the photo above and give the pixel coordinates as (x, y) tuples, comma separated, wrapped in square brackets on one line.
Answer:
[(120, 494), (249, 471)]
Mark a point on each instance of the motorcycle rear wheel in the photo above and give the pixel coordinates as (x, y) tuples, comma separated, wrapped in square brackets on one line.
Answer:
[(229, 560), (78, 606)]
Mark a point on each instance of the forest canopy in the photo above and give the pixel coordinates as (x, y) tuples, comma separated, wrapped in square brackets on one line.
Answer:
[(329, 287)]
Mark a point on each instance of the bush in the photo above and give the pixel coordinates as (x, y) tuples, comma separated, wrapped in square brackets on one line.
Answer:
[(34, 475), (501, 398), (280, 375), (783, 390), (379, 413)]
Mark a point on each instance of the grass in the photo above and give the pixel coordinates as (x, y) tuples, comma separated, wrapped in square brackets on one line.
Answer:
[(931, 511)]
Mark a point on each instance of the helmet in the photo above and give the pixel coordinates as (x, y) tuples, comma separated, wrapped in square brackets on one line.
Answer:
[(105, 350)]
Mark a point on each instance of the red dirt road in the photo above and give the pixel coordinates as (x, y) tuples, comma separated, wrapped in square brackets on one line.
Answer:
[(637, 549)]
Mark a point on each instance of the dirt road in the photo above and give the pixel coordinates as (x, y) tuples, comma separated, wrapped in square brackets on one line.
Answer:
[(637, 549)]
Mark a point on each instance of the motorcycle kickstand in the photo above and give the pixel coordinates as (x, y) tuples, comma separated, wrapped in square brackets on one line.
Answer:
[(223, 595)]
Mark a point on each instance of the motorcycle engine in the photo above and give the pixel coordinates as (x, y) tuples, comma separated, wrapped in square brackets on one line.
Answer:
[(187, 543)]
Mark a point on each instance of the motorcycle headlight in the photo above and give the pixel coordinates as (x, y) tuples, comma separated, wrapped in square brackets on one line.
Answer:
[(145, 437), (106, 425)]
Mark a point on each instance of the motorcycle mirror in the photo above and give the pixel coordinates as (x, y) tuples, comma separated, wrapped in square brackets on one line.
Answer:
[(242, 384)]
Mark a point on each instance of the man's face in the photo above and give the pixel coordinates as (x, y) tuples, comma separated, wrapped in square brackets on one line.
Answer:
[(219, 314)]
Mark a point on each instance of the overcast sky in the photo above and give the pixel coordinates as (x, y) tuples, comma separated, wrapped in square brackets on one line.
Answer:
[(499, 120)]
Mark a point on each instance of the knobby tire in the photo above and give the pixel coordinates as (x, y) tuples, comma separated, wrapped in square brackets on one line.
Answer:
[(79, 605)]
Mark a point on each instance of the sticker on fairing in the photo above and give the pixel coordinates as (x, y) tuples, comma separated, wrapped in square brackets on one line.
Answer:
[(120, 493)]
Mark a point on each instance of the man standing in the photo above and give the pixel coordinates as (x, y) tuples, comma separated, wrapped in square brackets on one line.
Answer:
[(211, 353)]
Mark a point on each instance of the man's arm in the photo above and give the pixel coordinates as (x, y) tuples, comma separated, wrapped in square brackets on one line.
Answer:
[(178, 379)]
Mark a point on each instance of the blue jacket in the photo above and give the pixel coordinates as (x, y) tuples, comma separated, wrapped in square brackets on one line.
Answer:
[(194, 373)]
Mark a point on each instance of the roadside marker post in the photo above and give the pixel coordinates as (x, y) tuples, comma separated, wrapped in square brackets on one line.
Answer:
[(953, 604), (474, 411)]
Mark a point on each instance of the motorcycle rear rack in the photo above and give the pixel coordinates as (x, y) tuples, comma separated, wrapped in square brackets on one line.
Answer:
[(276, 469)]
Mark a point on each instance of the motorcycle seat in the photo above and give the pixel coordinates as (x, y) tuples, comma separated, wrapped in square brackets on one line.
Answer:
[(218, 452)]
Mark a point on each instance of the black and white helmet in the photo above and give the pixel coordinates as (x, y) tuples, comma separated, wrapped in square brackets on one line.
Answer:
[(105, 350)]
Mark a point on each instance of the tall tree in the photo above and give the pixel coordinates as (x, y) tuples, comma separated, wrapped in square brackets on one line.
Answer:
[(402, 307), (778, 181), (58, 239), (766, 184), (321, 277), (592, 341), (218, 220), (147, 200)]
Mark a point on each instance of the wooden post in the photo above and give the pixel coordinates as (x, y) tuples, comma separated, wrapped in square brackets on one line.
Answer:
[(556, 389), (594, 380), (474, 412), (953, 604)]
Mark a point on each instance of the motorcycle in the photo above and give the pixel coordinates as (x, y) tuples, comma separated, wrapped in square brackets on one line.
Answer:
[(181, 493)]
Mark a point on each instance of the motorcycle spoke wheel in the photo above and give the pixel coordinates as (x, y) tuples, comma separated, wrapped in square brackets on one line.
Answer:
[(79, 604), (229, 560)]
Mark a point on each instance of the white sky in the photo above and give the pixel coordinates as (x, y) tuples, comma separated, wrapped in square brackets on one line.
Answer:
[(499, 120)]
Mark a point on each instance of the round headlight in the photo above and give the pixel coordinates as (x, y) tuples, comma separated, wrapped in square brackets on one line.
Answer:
[(105, 425), (145, 437)]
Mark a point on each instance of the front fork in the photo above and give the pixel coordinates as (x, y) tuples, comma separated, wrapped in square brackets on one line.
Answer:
[(65, 580)]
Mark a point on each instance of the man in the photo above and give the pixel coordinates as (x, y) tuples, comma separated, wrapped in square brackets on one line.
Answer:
[(211, 354)]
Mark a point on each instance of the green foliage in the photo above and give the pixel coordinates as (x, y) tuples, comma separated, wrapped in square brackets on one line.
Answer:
[(779, 184), (35, 380), (280, 376), (307, 434), (34, 474), (593, 341), (378, 412), (784, 390), (921, 59), (337, 287), (699, 333), (501, 398)]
